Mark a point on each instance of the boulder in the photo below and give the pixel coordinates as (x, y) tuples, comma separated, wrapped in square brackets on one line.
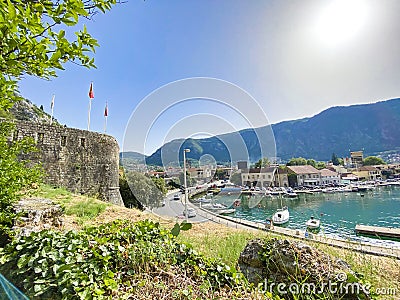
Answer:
[(37, 214), (292, 268)]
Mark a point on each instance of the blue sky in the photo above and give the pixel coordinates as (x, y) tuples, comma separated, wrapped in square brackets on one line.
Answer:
[(296, 58)]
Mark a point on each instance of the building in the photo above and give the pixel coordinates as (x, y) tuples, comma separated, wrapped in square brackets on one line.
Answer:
[(81, 161), (281, 177), (329, 177), (368, 173), (356, 158), (304, 175), (242, 165), (202, 173), (261, 177)]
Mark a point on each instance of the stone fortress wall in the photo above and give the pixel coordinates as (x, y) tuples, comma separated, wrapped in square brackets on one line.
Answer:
[(81, 161)]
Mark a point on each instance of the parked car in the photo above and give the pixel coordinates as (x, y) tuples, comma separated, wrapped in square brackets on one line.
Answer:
[(191, 212)]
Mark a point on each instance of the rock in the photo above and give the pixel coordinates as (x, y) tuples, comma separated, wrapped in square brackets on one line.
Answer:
[(296, 267), (250, 263), (37, 214)]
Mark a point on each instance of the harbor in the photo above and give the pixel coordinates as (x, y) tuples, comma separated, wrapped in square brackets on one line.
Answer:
[(338, 212), (359, 246)]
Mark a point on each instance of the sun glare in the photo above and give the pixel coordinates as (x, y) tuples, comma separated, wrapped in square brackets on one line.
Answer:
[(340, 21)]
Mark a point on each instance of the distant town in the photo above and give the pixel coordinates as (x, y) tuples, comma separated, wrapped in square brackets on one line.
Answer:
[(295, 173)]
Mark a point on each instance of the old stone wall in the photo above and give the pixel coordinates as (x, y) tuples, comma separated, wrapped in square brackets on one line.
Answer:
[(82, 161)]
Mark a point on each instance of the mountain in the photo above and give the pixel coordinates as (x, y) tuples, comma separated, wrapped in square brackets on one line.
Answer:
[(132, 160), (132, 155), (25, 110), (372, 127)]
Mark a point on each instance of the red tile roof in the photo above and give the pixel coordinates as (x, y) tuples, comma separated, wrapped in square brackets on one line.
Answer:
[(304, 169)]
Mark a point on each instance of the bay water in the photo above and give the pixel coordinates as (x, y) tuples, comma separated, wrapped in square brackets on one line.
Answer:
[(338, 212)]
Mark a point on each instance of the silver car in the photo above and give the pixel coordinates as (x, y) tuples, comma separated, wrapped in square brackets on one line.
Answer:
[(191, 212)]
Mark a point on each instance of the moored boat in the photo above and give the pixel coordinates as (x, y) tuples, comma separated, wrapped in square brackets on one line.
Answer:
[(281, 216), (313, 223)]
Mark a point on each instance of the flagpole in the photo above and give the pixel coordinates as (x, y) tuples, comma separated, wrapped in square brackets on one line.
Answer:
[(105, 117), (52, 109), (91, 96), (90, 107)]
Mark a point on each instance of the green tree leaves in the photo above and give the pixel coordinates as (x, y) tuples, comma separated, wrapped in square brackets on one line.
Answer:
[(15, 175), (33, 40), (373, 160), (145, 190), (262, 163), (178, 227)]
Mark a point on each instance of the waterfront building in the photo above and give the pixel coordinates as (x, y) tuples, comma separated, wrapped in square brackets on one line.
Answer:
[(368, 173), (261, 177), (304, 175), (329, 177)]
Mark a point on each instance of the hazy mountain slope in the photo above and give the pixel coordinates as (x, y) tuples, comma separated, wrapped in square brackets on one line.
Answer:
[(372, 127)]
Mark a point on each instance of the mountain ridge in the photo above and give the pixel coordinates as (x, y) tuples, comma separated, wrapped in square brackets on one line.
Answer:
[(374, 127)]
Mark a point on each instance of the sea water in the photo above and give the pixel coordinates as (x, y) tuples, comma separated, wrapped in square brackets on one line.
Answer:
[(339, 212)]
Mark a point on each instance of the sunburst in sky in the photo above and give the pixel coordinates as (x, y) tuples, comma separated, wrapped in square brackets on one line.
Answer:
[(340, 20)]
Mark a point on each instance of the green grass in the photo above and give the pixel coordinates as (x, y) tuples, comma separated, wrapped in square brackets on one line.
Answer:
[(86, 209), (227, 247), (380, 272), (59, 195), (83, 207)]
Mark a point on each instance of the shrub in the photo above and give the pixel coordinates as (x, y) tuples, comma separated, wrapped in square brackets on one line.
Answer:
[(105, 261)]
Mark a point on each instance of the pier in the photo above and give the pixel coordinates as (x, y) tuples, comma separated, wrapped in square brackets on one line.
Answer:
[(378, 231)]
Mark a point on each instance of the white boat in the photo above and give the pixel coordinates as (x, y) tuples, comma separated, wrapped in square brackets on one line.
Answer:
[(204, 200), (289, 193), (214, 206), (281, 216), (218, 208), (313, 223)]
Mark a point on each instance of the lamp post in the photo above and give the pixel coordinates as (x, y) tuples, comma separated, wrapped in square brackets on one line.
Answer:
[(184, 180)]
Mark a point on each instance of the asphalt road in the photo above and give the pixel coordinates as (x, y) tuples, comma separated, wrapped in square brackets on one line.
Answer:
[(174, 209)]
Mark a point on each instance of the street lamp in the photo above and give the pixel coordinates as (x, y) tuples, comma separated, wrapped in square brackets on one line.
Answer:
[(184, 180)]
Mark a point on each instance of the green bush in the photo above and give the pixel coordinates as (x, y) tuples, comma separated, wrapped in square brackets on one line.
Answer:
[(16, 175), (103, 262)]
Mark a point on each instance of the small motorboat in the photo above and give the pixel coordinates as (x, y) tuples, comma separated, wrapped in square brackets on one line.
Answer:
[(281, 216), (313, 223), (290, 193), (204, 200)]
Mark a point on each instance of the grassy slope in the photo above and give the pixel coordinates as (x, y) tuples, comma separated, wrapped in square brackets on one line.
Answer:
[(215, 240)]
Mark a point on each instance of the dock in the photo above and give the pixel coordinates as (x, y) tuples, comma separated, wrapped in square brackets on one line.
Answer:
[(362, 247), (378, 231)]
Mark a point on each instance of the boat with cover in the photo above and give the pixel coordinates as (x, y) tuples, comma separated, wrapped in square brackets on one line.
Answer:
[(281, 216), (313, 223)]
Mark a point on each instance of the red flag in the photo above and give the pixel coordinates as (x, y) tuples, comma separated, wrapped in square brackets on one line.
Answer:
[(106, 111), (91, 93)]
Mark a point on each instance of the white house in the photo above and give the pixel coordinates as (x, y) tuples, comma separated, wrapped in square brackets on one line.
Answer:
[(262, 177), (329, 177)]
